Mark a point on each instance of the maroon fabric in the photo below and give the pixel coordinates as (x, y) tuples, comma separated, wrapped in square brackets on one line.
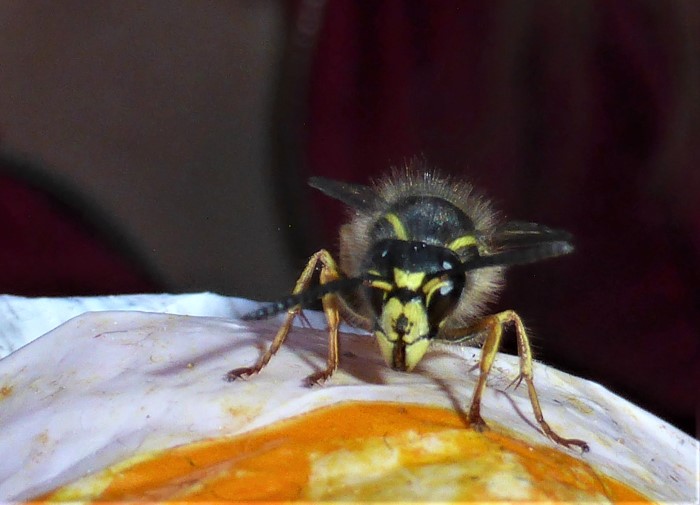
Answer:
[(47, 249), (570, 114)]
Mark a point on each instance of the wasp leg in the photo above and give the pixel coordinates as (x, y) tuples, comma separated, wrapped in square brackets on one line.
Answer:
[(329, 272), (330, 308), (493, 327)]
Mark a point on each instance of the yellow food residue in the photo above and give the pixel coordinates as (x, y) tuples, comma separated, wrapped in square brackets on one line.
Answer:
[(354, 451)]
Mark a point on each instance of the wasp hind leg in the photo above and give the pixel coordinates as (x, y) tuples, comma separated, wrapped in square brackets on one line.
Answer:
[(329, 272), (493, 327)]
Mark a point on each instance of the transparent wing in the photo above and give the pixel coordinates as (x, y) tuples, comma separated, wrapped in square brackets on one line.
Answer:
[(521, 234), (520, 243), (357, 196)]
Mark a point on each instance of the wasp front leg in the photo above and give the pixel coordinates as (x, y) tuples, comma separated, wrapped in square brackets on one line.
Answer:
[(493, 327), (329, 272)]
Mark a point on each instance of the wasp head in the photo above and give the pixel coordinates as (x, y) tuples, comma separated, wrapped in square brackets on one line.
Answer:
[(413, 287)]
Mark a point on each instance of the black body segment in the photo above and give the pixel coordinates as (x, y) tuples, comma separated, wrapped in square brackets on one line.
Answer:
[(428, 219)]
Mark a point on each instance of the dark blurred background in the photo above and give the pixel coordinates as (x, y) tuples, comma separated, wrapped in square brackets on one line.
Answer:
[(164, 146)]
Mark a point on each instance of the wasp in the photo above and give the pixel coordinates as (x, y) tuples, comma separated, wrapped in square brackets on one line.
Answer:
[(421, 257)]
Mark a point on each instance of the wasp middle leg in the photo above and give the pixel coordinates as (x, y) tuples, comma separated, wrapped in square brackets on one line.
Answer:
[(329, 272)]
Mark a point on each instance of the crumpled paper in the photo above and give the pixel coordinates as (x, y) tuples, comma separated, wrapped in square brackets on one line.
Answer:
[(106, 385)]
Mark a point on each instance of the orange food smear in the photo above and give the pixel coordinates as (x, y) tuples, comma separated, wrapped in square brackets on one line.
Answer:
[(274, 463), (5, 391)]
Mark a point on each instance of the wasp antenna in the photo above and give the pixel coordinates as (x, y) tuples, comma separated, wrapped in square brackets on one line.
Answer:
[(302, 299)]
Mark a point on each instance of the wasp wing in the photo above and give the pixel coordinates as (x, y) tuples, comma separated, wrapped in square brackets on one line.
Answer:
[(520, 243), (357, 196), (521, 234)]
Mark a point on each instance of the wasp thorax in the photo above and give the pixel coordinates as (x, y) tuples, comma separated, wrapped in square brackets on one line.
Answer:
[(413, 289)]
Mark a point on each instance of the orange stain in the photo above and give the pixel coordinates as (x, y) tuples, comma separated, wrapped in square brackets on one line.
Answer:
[(276, 463)]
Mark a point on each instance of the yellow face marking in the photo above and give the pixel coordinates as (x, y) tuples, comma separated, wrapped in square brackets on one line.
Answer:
[(412, 337), (381, 284), (433, 285), (415, 352), (397, 225), (408, 280), (462, 242)]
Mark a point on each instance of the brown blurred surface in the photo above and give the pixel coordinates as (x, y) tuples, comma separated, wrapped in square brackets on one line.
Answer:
[(159, 113)]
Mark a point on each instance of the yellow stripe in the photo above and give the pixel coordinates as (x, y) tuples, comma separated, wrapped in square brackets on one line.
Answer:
[(397, 225), (462, 242), (408, 280), (380, 284), (431, 286)]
